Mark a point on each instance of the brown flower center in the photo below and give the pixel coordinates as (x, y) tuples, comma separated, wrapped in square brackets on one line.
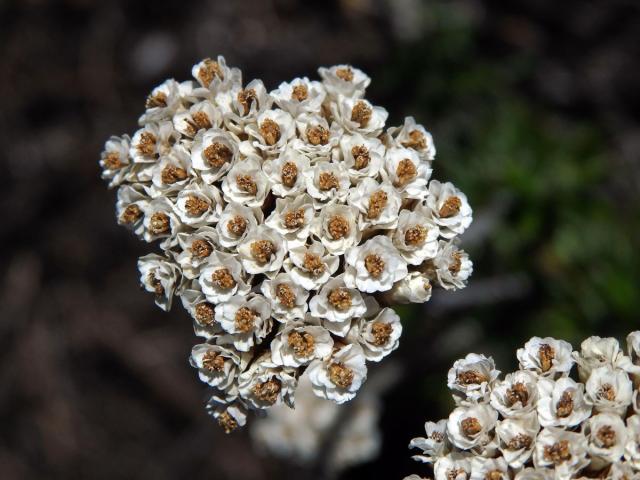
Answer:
[(205, 314), (377, 202), (519, 442), (517, 393), (223, 279), (201, 120), (557, 453), (289, 174), (361, 157), (247, 184), (327, 181), (381, 333), (213, 361), (546, 355), (450, 207), (270, 131), (494, 475), (158, 100), (268, 391), (158, 289), (345, 73), (245, 319), (286, 295), (361, 113), (208, 71), (200, 248), (294, 219), (159, 223), (470, 377), (245, 98), (195, 206), (340, 375), (607, 392), (302, 344), (237, 225), (147, 143), (374, 265), (112, 161), (226, 421), (415, 235), (416, 140), (453, 473), (340, 299), (172, 174), (262, 250), (300, 92), (606, 436), (564, 407), (131, 214), (217, 154), (470, 426), (313, 264), (406, 171), (338, 227), (317, 135), (456, 263)]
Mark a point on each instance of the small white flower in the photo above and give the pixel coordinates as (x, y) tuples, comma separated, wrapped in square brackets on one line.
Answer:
[(241, 106), (337, 228), (362, 156), (130, 207), (561, 403), (300, 342), (337, 305), (453, 466), (340, 376), (414, 288), (379, 336), (434, 445), (358, 115), (632, 446), (286, 173), (516, 439), (316, 137), (472, 378), (171, 173), (217, 366), (149, 143), (416, 237), (599, 352), (162, 102), (222, 278), (327, 181), (517, 395), (607, 437), (161, 222), (407, 172), (288, 299), (265, 384), (195, 249), (229, 417), (344, 80), (246, 319), (449, 208), (202, 115), (245, 183), (494, 468), (202, 312), (562, 450), (374, 266), (159, 276), (546, 356), (262, 251), (214, 75), (311, 266), (114, 160), (236, 222), (274, 128), (471, 426), (292, 218), (452, 265), (213, 153), (300, 95), (609, 390), (415, 136), (378, 203), (198, 205)]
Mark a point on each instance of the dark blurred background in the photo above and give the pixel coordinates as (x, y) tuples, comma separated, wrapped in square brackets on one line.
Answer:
[(534, 106)]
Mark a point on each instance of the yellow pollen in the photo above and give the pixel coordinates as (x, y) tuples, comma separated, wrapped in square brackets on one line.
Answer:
[(361, 157), (300, 92), (406, 171), (208, 71), (158, 100), (217, 154), (345, 73), (381, 333), (112, 161), (201, 248), (340, 299), (327, 181), (247, 184), (377, 202), (607, 392), (456, 263), (494, 475), (303, 344), (268, 391), (313, 264), (223, 279), (361, 113), (416, 140), (286, 295), (237, 225), (340, 375), (374, 265), (147, 143), (213, 361), (205, 314), (338, 227), (262, 250), (289, 174), (201, 120), (227, 422), (270, 131), (294, 219), (245, 319), (415, 235), (317, 135), (450, 208)]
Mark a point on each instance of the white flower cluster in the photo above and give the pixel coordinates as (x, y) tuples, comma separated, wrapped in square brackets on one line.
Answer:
[(285, 218), (539, 423)]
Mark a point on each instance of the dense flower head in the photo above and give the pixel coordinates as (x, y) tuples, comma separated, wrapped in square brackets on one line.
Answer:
[(544, 421), (289, 221)]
